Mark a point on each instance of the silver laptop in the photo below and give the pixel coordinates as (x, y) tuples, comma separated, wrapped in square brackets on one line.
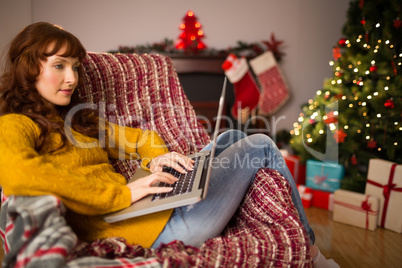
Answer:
[(189, 189)]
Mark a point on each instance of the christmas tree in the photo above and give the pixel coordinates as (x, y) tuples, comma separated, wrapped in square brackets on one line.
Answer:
[(190, 38), (358, 113)]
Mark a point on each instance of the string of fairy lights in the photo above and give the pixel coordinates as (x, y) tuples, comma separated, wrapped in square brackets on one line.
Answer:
[(358, 70)]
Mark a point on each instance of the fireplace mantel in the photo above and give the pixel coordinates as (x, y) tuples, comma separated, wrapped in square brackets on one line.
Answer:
[(198, 64)]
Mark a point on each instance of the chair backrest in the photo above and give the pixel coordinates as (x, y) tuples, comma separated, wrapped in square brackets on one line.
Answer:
[(142, 91)]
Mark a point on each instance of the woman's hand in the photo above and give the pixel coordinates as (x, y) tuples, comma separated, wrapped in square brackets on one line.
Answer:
[(144, 186), (179, 162)]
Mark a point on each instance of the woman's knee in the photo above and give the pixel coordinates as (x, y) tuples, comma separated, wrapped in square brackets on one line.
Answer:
[(230, 137), (260, 141), (234, 134)]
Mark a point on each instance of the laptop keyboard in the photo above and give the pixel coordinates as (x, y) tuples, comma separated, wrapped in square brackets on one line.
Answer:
[(183, 185)]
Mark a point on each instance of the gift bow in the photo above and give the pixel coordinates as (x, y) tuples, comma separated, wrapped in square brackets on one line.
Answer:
[(387, 190), (367, 207), (304, 192), (320, 179)]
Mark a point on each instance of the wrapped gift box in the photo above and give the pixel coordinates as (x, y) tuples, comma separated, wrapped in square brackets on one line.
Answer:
[(323, 199), (297, 169), (306, 195), (356, 209), (384, 180), (324, 176)]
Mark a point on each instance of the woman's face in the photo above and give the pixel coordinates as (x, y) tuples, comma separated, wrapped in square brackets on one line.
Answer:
[(58, 78)]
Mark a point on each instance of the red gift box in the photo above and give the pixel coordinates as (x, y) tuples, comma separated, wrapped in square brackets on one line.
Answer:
[(297, 169), (306, 195), (323, 199)]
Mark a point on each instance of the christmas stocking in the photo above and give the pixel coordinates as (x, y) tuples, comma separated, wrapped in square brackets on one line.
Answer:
[(246, 89), (274, 91)]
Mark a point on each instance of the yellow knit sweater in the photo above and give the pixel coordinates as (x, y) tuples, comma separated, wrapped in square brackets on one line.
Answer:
[(80, 176)]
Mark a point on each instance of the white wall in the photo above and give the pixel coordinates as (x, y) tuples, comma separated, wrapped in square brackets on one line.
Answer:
[(14, 15), (309, 29)]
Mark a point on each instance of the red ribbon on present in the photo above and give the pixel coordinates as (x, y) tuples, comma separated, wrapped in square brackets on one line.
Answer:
[(387, 192), (365, 206)]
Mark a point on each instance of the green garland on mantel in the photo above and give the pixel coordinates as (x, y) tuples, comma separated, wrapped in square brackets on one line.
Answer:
[(242, 49)]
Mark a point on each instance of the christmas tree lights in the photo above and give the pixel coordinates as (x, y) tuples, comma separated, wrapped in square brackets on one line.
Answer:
[(367, 87)]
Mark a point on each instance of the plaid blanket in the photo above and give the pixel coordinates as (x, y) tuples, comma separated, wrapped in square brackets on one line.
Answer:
[(265, 232)]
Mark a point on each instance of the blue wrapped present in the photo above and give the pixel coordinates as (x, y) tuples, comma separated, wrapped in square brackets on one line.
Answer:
[(324, 176)]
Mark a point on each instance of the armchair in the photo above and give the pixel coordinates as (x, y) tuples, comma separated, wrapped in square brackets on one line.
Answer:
[(144, 91)]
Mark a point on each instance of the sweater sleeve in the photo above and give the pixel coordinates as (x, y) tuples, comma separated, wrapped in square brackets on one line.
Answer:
[(26, 172), (134, 143)]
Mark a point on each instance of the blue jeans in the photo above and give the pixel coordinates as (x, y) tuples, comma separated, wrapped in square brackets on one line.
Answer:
[(237, 159)]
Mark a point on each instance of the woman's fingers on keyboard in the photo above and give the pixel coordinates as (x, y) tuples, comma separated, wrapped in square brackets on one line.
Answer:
[(179, 162), (179, 167), (164, 177), (148, 185), (184, 161)]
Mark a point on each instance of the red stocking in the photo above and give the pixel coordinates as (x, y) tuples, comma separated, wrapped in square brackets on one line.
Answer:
[(274, 91), (246, 89)]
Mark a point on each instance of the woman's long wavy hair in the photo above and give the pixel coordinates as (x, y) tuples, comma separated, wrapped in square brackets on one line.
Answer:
[(18, 93)]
